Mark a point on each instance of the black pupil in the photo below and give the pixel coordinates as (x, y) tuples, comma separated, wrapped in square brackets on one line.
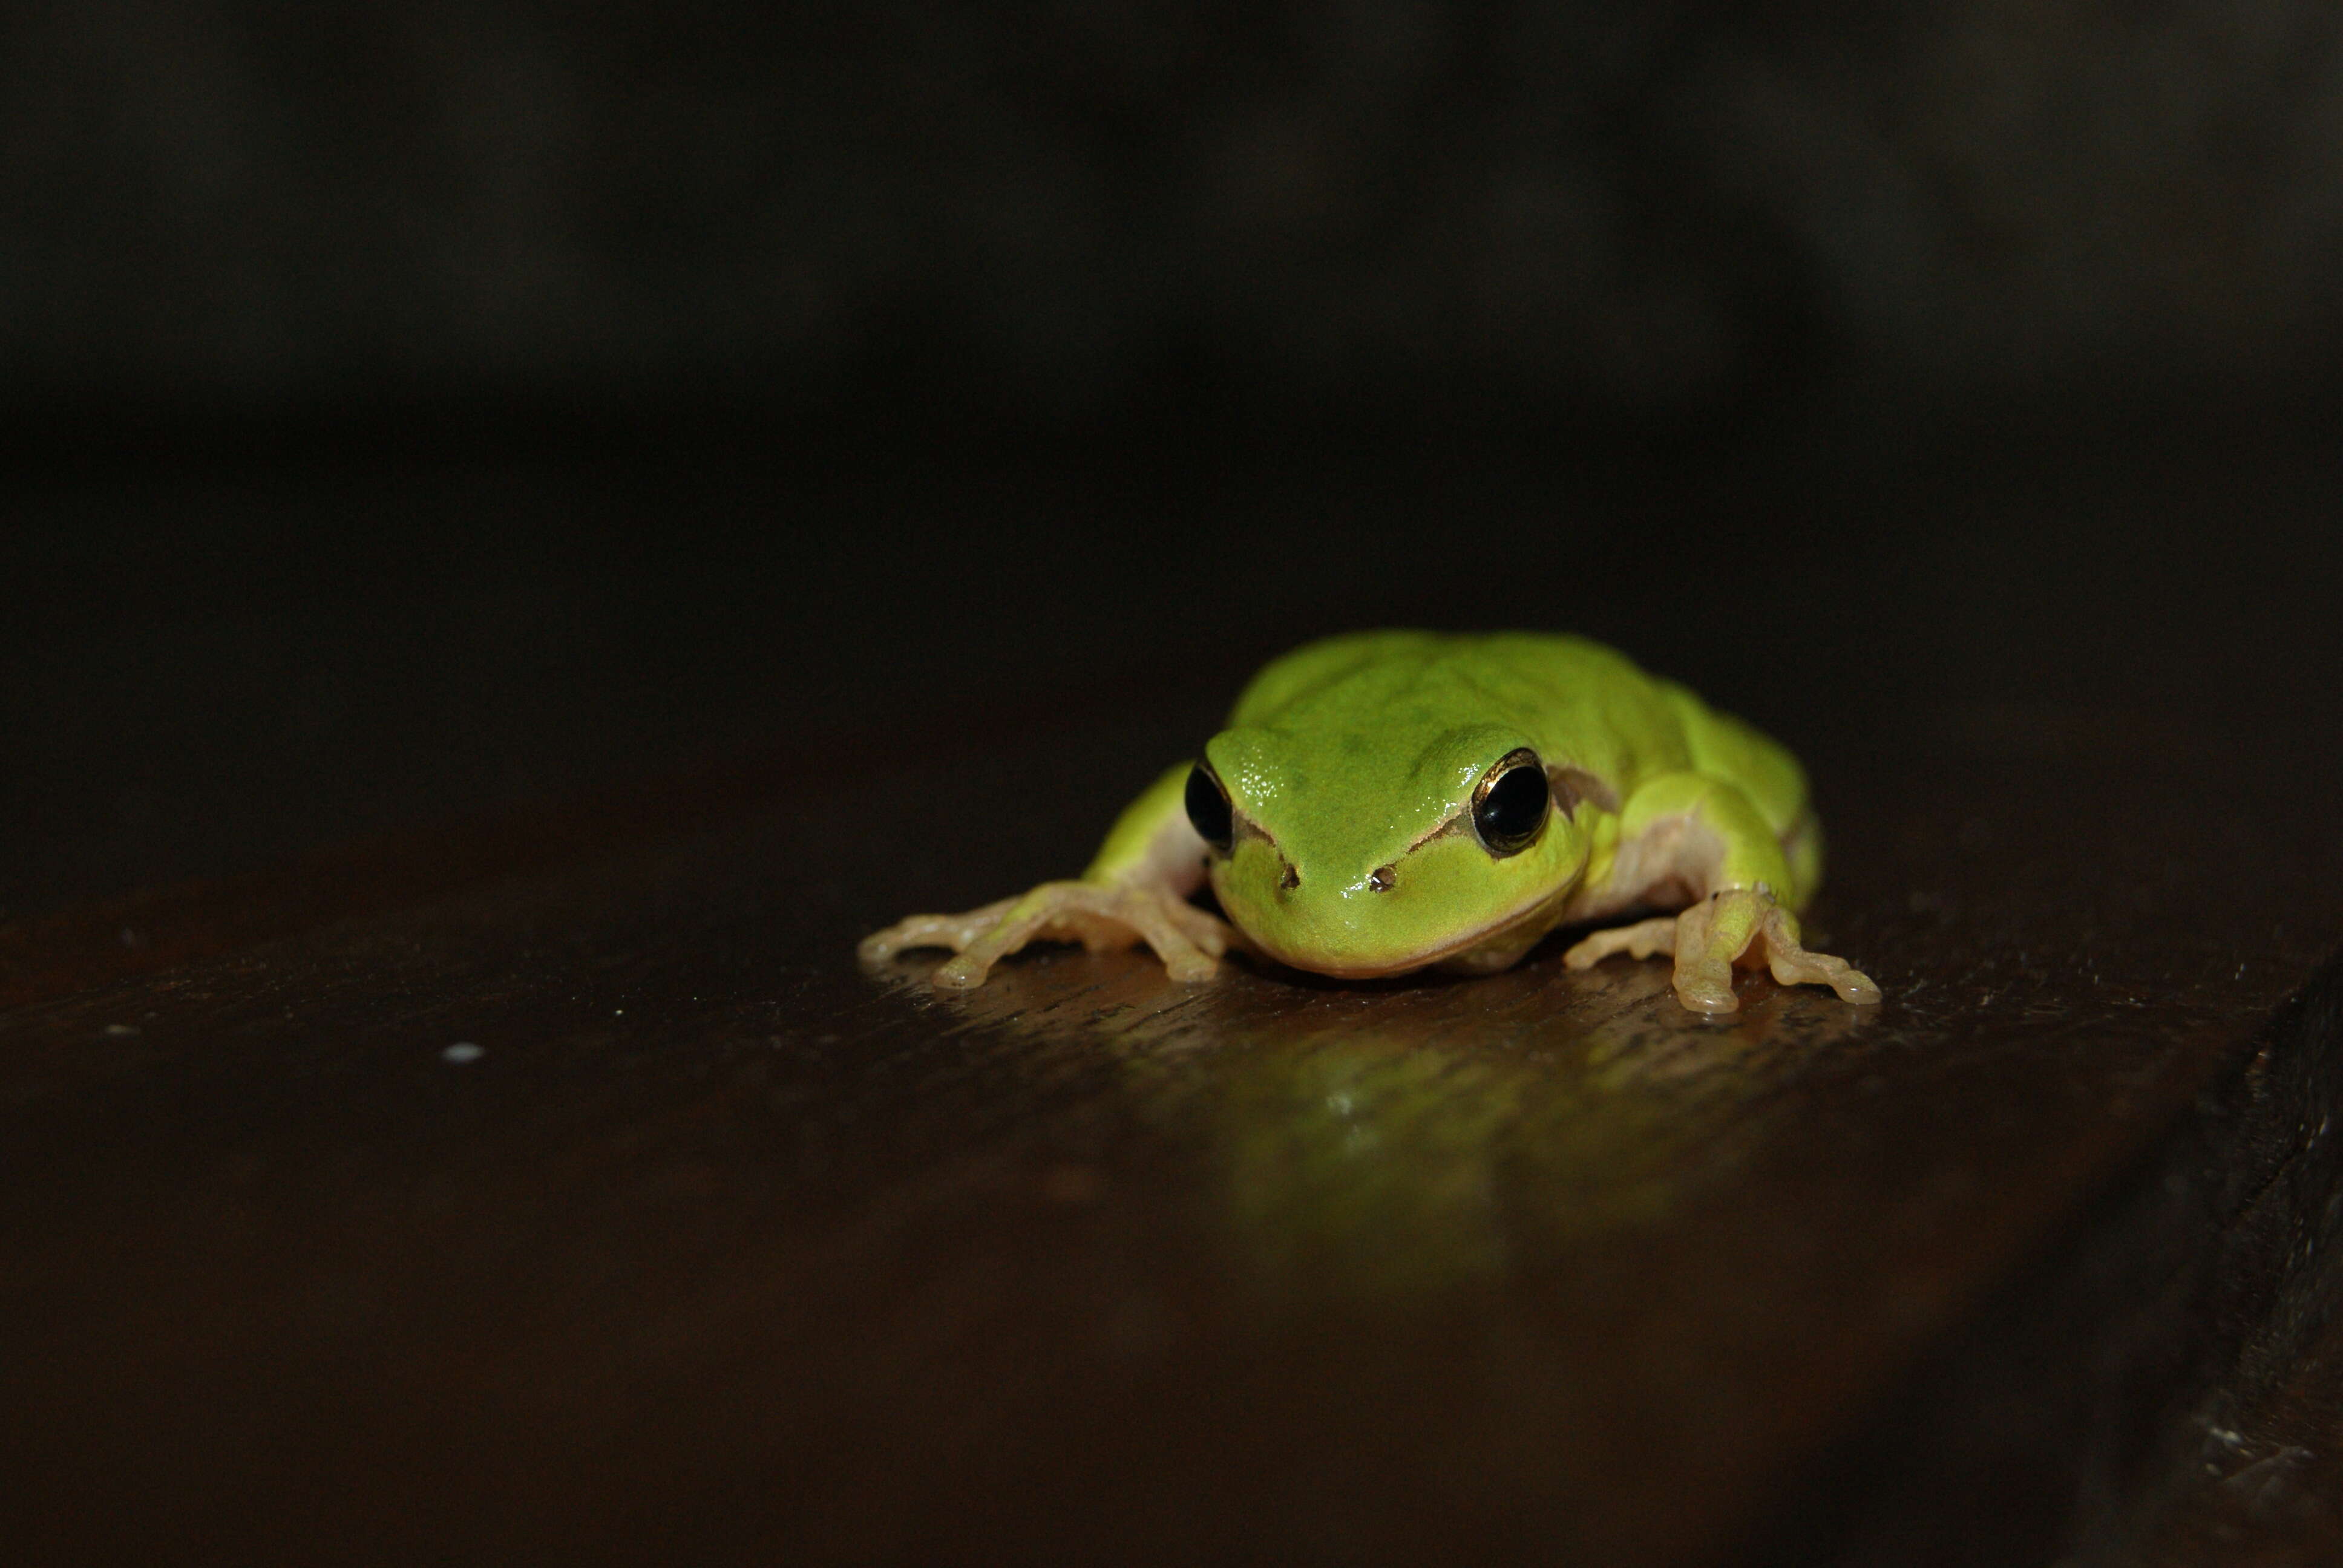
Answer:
[(1510, 813), (1208, 808)]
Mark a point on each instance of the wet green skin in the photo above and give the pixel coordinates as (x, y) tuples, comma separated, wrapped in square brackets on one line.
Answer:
[(1349, 755), (1350, 766)]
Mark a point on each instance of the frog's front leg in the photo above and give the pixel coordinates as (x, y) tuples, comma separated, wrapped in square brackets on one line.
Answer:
[(1702, 836), (1136, 891), (1744, 927)]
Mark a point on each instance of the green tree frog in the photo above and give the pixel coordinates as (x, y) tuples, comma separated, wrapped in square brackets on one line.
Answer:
[(1389, 800)]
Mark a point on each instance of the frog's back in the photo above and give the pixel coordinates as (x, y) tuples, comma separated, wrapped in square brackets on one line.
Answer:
[(1585, 706), (1727, 748)]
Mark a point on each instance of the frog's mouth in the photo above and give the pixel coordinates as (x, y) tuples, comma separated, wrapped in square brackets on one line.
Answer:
[(1547, 905)]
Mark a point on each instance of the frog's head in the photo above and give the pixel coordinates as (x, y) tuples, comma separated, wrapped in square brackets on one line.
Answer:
[(1358, 854)]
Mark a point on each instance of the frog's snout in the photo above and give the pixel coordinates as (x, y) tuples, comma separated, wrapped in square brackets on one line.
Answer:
[(1333, 921)]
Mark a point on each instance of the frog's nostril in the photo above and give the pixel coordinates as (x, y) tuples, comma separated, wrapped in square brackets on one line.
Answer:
[(1292, 879), (1384, 878)]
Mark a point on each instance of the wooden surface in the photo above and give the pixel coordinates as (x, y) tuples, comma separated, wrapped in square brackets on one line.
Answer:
[(715, 1247), (720, 1247)]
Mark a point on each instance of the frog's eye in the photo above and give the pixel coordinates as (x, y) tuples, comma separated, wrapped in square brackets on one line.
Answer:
[(1511, 805), (1208, 808)]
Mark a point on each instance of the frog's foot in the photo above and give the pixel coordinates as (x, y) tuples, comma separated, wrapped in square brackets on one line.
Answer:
[(1745, 926), (953, 932), (1101, 917)]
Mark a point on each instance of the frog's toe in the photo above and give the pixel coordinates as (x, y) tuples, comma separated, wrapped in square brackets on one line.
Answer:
[(953, 932), (1188, 946), (1189, 968), (879, 946), (1793, 965), (1705, 985), (1853, 986), (962, 973), (1708, 937), (1640, 940), (1214, 935), (1104, 919), (999, 930)]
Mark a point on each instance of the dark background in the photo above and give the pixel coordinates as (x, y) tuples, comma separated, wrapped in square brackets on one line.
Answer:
[(430, 408)]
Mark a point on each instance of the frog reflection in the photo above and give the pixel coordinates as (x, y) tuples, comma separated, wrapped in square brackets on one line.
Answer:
[(1377, 1145)]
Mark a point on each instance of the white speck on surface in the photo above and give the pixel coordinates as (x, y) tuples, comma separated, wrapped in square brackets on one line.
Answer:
[(462, 1051), (121, 1030), (617, 1012)]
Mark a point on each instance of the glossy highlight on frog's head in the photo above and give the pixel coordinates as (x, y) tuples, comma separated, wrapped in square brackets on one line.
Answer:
[(1355, 852)]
